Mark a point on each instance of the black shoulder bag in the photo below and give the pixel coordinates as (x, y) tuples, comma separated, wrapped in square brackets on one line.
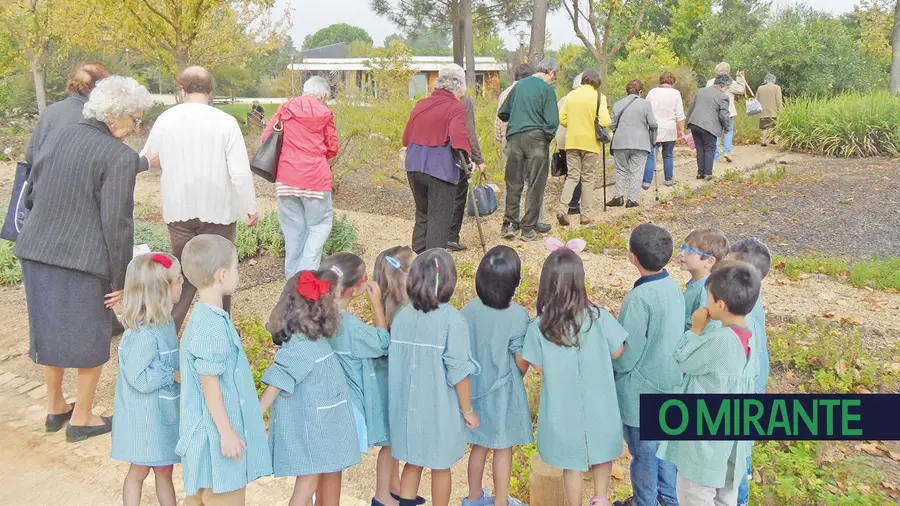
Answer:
[(603, 134), (265, 161)]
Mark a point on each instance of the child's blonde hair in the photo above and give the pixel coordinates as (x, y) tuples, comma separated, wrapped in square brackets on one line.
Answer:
[(204, 255), (148, 296), (711, 241), (390, 272)]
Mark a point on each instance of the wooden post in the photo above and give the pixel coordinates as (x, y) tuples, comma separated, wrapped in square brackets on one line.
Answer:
[(546, 484)]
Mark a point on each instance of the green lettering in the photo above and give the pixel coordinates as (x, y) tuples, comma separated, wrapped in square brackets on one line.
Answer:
[(829, 405), (753, 417), (662, 417), (779, 418), (704, 419), (846, 417), (737, 417), (812, 424)]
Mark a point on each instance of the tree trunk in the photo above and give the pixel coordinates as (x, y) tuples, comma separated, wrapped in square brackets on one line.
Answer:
[(40, 88), (456, 23), (546, 487), (538, 31), (469, 41), (895, 60)]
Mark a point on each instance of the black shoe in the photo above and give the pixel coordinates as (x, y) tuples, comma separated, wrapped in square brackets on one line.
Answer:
[(509, 232), (562, 219), (574, 210), (54, 423), (700, 176), (529, 235), (616, 202), (626, 502), (455, 247), (632, 203), (542, 228), (419, 499), (75, 433)]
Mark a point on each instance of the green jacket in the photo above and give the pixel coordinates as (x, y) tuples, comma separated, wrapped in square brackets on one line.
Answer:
[(530, 106)]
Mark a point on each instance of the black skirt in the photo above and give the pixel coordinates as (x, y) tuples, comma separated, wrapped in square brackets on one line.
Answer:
[(70, 327)]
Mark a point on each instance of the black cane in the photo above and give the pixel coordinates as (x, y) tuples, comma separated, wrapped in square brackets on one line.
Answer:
[(604, 178)]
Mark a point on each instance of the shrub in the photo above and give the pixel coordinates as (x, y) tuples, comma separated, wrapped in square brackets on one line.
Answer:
[(342, 238), (846, 126), (266, 237), (10, 269), (258, 347)]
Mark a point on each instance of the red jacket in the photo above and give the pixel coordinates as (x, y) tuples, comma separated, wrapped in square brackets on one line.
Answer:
[(437, 119), (310, 140)]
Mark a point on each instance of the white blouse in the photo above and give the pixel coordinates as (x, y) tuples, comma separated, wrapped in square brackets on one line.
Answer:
[(668, 109)]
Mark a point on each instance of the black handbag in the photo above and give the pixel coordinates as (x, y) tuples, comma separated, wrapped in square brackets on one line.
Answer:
[(485, 197), (16, 212), (558, 165), (603, 133), (265, 161)]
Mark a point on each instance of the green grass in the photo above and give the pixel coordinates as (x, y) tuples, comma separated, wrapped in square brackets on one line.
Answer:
[(746, 128), (773, 176), (846, 126), (10, 269), (153, 235), (879, 272), (602, 236)]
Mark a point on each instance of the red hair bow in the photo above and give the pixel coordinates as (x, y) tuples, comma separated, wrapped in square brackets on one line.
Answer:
[(310, 287), (162, 259)]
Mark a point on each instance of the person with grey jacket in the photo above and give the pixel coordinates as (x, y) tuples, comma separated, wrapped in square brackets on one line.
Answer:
[(634, 127), (708, 118)]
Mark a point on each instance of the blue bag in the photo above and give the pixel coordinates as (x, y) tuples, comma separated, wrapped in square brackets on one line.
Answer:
[(16, 212), (486, 199)]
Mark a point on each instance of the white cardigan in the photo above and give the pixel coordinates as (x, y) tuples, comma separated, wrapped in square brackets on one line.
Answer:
[(668, 109)]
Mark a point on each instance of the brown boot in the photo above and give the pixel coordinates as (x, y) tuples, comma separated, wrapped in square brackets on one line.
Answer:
[(562, 219), (586, 220)]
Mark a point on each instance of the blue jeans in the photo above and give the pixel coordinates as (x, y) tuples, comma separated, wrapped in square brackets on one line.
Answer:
[(744, 488), (652, 479), (306, 224), (729, 139), (668, 155)]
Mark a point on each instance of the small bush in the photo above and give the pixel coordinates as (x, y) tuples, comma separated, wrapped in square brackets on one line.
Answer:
[(258, 346), (267, 237), (846, 126), (155, 236), (10, 269), (880, 273), (342, 238)]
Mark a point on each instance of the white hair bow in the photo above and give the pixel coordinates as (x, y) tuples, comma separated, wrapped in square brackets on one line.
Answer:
[(577, 245)]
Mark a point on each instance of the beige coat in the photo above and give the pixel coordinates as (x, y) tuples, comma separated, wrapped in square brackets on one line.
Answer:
[(769, 96)]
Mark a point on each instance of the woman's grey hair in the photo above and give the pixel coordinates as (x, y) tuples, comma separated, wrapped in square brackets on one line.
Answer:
[(451, 78), (769, 79), (547, 66), (317, 86), (116, 96), (577, 82), (723, 81)]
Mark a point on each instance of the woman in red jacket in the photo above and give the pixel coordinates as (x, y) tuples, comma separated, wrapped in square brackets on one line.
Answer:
[(304, 180), (436, 130)]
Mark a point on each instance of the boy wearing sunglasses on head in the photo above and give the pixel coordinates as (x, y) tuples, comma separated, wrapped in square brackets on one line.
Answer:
[(702, 250)]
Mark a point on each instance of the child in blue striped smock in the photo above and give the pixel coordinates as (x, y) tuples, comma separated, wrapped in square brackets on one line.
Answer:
[(312, 434), (572, 343), (145, 418), (701, 251), (429, 367), (222, 440), (357, 345), (497, 332)]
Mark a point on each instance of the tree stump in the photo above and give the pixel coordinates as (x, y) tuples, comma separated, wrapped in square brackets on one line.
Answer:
[(546, 488)]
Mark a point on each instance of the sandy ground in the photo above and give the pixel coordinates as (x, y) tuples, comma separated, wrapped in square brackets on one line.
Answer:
[(32, 460)]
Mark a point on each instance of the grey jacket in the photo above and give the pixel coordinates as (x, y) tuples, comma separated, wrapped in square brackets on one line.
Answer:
[(82, 201), (66, 112), (709, 110), (469, 104), (636, 128)]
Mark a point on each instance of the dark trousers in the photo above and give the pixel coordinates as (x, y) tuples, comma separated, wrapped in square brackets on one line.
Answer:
[(435, 210), (180, 232), (529, 160), (462, 193), (706, 150)]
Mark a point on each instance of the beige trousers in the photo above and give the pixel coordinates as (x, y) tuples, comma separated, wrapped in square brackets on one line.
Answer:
[(206, 497), (582, 168), (691, 493)]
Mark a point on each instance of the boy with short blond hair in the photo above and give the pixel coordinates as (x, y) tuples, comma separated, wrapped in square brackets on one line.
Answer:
[(222, 440), (703, 248)]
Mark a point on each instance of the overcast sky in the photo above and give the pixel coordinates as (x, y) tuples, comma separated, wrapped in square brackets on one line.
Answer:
[(311, 15)]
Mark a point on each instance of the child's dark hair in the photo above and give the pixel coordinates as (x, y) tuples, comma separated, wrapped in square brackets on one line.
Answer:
[(736, 284), (296, 314), (349, 268), (562, 298), (709, 240), (498, 276), (432, 280), (390, 272), (754, 252), (652, 245)]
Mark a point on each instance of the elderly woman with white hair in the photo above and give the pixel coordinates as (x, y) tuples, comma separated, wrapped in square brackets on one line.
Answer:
[(76, 246), (434, 139), (303, 182)]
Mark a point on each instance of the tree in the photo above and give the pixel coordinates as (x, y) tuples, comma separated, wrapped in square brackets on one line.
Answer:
[(648, 56), (391, 71), (600, 17), (178, 33), (736, 22), (538, 31), (465, 8), (335, 34), (895, 43)]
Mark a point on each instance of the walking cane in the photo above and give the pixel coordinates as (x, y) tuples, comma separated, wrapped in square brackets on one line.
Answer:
[(475, 209), (604, 177), (655, 167)]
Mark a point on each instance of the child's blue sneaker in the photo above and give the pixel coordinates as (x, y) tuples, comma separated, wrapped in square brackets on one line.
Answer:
[(512, 501), (486, 499)]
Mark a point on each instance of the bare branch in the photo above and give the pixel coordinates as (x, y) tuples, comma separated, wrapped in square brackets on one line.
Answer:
[(156, 11), (634, 28)]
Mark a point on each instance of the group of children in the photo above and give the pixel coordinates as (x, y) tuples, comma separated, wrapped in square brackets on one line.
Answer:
[(425, 380)]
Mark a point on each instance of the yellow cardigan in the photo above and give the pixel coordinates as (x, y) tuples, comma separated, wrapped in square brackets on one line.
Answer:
[(578, 114)]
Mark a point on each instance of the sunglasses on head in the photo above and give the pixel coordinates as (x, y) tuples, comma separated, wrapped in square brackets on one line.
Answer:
[(687, 248)]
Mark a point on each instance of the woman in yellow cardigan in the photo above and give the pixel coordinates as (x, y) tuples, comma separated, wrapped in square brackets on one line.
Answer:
[(579, 114)]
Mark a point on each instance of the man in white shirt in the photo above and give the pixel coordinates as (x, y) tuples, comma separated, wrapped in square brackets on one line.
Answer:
[(206, 183)]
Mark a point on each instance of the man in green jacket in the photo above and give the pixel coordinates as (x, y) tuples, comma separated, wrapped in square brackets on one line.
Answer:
[(532, 118)]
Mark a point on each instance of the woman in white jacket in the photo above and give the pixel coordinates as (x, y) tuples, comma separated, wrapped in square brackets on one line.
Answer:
[(668, 109)]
